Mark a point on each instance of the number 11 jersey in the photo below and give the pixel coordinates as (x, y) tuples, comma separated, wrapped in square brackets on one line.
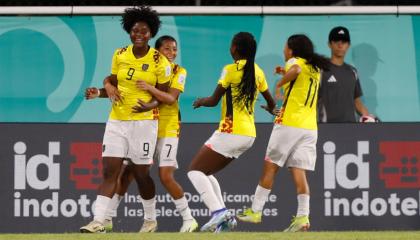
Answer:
[(299, 107)]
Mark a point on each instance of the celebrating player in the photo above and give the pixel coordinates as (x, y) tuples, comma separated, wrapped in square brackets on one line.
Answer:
[(293, 140), (131, 135), (239, 85)]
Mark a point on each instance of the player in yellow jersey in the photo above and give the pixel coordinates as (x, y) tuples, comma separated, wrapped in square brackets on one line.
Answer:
[(239, 85), (168, 134), (130, 134), (293, 140)]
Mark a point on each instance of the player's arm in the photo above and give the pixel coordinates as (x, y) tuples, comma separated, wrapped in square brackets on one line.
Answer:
[(169, 97), (93, 92), (212, 100), (271, 104), (110, 85), (290, 75), (144, 107), (360, 107)]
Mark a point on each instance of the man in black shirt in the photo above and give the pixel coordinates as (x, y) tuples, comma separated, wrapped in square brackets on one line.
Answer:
[(340, 92)]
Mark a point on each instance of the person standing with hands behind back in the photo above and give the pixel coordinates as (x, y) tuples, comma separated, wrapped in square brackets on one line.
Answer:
[(340, 92)]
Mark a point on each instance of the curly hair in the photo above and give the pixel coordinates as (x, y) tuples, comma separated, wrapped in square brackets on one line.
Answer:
[(141, 14)]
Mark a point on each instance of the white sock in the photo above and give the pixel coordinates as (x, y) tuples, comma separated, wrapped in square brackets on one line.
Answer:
[(303, 205), (216, 189), (149, 207), (204, 187), (260, 197), (101, 206), (111, 211), (183, 209)]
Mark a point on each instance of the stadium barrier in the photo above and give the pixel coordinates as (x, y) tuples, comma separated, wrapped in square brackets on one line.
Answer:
[(367, 178)]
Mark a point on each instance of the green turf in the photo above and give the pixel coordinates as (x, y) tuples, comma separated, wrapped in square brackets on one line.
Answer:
[(394, 235)]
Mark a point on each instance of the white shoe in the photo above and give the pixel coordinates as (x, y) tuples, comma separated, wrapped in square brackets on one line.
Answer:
[(149, 226), (215, 220), (189, 226), (93, 227)]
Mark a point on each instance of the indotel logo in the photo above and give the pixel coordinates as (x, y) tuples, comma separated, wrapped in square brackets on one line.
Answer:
[(337, 181), (31, 189)]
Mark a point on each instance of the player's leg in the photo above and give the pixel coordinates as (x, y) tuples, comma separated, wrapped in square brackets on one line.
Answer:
[(165, 154), (208, 162), (124, 179), (302, 159), (144, 134), (114, 150), (111, 169), (265, 184), (278, 150), (215, 155), (301, 221)]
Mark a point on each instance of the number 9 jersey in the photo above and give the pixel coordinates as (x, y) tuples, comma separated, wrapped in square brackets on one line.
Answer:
[(153, 68), (299, 107)]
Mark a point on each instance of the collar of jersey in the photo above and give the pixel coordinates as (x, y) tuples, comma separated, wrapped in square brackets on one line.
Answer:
[(130, 51)]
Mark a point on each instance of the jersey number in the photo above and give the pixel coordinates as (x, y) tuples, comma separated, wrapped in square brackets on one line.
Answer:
[(169, 150), (146, 149), (130, 73), (308, 96)]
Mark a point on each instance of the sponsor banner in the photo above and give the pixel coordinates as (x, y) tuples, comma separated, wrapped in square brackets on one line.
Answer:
[(366, 178)]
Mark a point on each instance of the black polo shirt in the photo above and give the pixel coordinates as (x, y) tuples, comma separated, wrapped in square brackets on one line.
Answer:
[(339, 87)]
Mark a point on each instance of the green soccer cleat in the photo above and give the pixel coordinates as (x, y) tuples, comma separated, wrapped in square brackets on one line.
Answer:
[(299, 224), (250, 216)]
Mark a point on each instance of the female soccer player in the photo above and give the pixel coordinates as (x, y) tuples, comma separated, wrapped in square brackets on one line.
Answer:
[(168, 136), (293, 140), (131, 135), (239, 85)]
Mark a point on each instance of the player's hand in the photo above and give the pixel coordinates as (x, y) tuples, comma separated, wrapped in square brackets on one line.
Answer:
[(113, 93), (198, 103), (142, 85), (279, 70), (274, 111), (91, 93), (142, 107)]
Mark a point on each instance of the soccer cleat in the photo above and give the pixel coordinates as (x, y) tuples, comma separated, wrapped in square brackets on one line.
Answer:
[(189, 226), (227, 225), (108, 225), (148, 226), (250, 216), (217, 218), (299, 224), (93, 227)]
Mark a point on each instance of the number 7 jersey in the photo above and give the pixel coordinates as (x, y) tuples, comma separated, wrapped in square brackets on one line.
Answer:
[(153, 68), (299, 107)]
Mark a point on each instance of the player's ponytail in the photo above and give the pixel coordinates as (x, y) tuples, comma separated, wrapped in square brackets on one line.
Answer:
[(246, 47), (302, 46)]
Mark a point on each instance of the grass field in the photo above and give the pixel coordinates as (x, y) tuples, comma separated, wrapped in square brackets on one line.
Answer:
[(403, 235)]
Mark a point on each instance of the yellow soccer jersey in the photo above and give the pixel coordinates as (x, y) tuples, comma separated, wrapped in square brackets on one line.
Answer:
[(236, 119), (153, 68), (169, 115), (300, 102)]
